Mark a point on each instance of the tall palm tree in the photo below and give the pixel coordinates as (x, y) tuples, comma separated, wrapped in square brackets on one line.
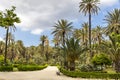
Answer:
[(89, 7), (9, 18), (61, 29), (113, 20)]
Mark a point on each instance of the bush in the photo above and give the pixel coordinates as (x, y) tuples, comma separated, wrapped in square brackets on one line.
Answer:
[(30, 67), (86, 68), (16, 65), (6, 68), (90, 74)]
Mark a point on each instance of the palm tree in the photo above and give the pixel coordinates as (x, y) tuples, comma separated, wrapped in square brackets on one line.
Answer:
[(85, 34), (77, 33), (89, 7), (97, 34), (61, 30), (113, 20), (73, 50), (43, 39), (8, 20), (20, 49), (56, 41), (47, 48), (113, 48)]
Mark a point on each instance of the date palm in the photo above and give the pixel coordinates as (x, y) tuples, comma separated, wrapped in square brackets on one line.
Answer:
[(113, 20), (61, 30), (77, 33), (97, 35), (20, 49), (89, 7), (73, 50), (43, 39), (85, 28), (56, 41)]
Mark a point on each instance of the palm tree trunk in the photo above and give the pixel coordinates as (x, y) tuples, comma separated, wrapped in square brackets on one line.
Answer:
[(117, 66), (72, 65), (65, 54), (91, 55), (5, 59), (42, 52)]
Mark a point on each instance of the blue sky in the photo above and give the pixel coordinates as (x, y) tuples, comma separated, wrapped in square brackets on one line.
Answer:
[(38, 16)]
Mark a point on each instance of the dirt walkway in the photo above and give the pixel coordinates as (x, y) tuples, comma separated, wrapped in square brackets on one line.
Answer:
[(47, 74)]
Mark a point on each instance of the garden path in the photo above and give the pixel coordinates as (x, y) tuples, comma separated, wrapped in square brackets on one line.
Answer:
[(48, 73)]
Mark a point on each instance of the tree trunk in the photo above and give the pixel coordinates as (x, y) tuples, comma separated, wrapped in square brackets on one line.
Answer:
[(91, 55), (72, 65), (12, 57), (6, 43), (117, 66), (65, 54)]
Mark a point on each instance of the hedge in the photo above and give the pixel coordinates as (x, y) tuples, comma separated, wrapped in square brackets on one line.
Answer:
[(97, 75), (30, 67), (6, 68)]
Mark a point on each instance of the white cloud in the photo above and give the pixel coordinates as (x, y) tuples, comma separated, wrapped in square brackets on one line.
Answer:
[(36, 31), (106, 3), (40, 15), (1, 39)]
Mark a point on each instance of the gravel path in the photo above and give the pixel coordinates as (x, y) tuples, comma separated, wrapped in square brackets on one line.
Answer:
[(47, 74)]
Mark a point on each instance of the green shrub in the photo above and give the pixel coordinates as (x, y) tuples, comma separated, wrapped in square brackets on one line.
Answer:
[(30, 67), (86, 68), (16, 65), (90, 74), (6, 68)]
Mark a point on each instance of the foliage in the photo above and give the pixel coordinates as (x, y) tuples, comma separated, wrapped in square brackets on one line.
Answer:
[(7, 20), (101, 59), (113, 20), (1, 59), (30, 67), (6, 68), (86, 68), (97, 75)]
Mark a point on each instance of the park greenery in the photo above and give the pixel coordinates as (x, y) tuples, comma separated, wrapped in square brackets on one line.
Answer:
[(78, 52)]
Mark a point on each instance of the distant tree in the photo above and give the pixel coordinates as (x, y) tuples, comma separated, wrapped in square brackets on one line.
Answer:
[(43, 39), (113, 20)]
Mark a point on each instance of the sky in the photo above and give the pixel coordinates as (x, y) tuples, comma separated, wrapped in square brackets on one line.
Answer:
[(39, 16)]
